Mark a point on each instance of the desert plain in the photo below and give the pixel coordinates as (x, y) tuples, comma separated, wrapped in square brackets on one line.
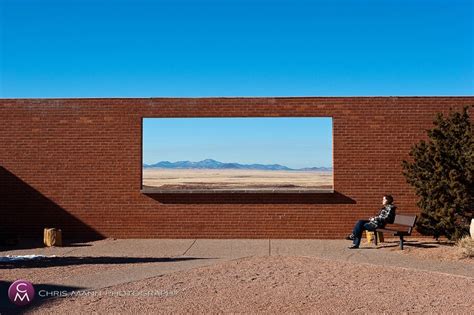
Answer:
[(232, 179)]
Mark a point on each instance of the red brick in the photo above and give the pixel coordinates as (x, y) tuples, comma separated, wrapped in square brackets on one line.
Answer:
[(75, 164)]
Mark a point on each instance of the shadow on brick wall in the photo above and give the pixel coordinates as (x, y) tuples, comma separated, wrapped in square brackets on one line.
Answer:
[(25, 212), (252, 198)]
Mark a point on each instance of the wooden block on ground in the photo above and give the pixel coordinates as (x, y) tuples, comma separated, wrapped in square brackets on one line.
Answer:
[(52, 237)]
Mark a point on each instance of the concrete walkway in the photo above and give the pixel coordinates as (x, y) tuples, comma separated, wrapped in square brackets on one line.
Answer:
[(183, 254)]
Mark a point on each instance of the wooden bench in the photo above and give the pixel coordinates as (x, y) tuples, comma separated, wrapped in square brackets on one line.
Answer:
[(405, 225)]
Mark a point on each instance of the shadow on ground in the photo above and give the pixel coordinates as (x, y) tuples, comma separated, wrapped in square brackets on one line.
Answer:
[(417, 244), (72, 261), (35, 243)]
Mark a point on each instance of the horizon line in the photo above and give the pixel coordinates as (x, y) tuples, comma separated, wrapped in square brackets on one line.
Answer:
[(240, 163)]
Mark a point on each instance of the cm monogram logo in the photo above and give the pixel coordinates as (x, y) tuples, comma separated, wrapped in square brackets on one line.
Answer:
[(21, 292)]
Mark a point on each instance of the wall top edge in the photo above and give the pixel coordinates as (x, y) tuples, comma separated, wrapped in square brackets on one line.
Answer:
[(239, 97)]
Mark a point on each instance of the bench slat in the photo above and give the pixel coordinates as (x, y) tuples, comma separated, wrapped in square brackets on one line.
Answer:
[(394, 232)]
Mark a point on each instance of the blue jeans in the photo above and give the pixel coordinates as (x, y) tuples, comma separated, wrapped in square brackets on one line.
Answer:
[(359, 227)]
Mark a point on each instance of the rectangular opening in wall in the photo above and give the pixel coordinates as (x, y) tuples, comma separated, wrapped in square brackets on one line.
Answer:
[(235, 155)]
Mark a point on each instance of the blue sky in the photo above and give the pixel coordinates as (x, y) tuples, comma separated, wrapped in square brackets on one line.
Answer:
[(293, 142), (184, 48)]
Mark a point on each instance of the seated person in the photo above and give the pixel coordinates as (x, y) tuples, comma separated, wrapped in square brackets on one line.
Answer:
[(386, 215)]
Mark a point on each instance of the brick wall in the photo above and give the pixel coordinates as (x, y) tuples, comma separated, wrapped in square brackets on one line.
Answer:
[(76, 164)]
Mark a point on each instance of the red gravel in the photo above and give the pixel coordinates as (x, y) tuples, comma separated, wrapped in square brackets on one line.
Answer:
[(277, 284)]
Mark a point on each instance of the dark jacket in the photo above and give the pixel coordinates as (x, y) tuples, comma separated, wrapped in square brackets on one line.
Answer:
[(386, 215)]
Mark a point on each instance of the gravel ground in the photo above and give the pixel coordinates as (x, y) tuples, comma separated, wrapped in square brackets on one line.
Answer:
[(277, 284)]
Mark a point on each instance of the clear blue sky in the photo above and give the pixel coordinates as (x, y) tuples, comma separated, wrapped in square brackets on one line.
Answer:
[(293, 142), (193, 48)]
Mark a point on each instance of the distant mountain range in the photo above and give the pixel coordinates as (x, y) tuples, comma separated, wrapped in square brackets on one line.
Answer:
[(216, 165)]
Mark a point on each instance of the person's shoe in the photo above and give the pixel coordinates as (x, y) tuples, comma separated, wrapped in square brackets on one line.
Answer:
[(350, 237), (353, 247)]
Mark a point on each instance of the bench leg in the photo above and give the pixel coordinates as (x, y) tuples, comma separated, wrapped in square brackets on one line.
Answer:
[(401, 242)]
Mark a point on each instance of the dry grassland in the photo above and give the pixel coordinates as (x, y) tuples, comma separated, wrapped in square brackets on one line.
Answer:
[(236, 179)]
